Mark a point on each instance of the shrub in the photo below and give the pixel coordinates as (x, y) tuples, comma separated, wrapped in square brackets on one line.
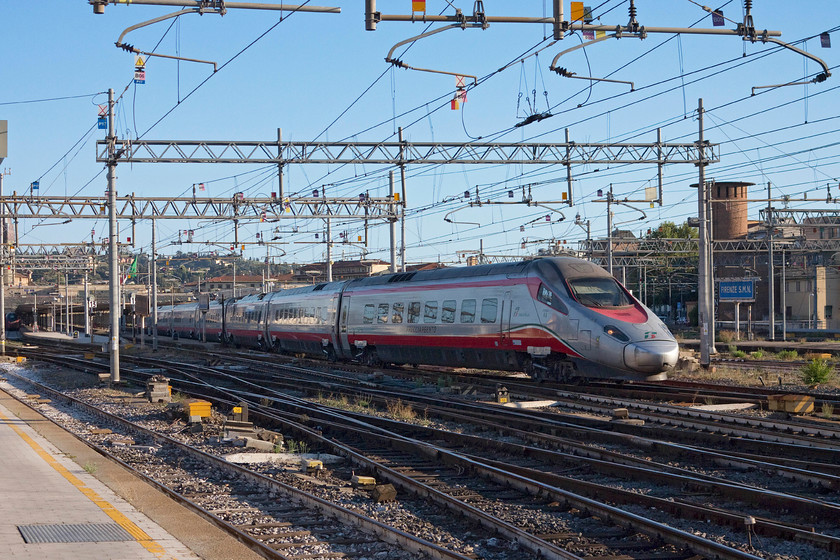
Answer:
[(401, 410), (758, 354), (725, 336), (827, 410), (787, 354), (817, 371), (739, 354)]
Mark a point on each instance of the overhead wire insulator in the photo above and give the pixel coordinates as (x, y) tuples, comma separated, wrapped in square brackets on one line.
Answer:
[(632, 25)]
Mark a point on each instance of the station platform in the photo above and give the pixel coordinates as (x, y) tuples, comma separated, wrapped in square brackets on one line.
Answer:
[(60, 499)]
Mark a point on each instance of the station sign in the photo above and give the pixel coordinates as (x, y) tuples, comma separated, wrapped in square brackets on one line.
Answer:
[(736, 290)]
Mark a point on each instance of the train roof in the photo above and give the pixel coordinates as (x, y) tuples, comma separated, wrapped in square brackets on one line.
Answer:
[(569, 267)]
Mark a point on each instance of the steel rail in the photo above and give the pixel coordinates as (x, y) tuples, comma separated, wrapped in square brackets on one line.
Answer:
[(425, 446), (757, 493), (372, 526)]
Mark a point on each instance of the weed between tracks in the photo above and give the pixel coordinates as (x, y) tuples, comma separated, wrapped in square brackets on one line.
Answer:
[(817, 371)]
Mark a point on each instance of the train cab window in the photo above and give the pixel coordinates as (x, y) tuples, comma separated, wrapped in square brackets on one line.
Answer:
[(370, 311), (599, 292), (383, 313), (447, 314), (414, 312), (430, 312), (468, 311), (548, 297), (489, 309), (397, 316)]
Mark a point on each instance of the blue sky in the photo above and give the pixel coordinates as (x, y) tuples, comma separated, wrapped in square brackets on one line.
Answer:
[(322, 76)]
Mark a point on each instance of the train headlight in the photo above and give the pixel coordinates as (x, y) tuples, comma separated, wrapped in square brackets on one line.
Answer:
[(616, 333)]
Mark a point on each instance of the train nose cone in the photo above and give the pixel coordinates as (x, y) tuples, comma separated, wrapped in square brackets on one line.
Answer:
[(651, 355)]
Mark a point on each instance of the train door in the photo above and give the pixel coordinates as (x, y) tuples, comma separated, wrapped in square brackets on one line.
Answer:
[(343, 338), (504, 320)]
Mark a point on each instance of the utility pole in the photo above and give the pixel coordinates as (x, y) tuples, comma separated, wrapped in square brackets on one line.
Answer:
[(329, 251), (783, 289), (2, 273), (609, 231), (771, 325), (703, 300), (113, 262), (393, 227), (154, 290), (402, 202), (67, 303), (280, 165), (87, 309)]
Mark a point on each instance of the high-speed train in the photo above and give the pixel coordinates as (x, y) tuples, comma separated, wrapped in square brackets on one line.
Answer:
[(554, 317)]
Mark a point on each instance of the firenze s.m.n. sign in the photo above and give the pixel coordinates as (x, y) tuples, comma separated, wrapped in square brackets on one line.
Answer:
[(736, 290)]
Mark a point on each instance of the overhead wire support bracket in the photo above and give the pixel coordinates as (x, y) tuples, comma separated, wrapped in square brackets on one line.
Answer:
[(196, 7), (130, 48), (566, 74), (819, 78), (216, 5), (400, 64)]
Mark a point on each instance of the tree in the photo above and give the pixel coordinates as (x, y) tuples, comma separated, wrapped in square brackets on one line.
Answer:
[(670, 230)]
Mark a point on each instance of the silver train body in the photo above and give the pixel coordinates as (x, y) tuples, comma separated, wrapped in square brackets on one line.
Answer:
[(555, 318)]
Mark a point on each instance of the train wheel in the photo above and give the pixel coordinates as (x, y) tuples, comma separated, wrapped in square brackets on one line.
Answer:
[(561, 370), (369, 358)]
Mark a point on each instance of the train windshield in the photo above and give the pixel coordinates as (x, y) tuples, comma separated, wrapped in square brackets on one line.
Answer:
[(599, 292)]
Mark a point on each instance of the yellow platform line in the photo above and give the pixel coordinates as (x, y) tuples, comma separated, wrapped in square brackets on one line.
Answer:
[(136, 532)]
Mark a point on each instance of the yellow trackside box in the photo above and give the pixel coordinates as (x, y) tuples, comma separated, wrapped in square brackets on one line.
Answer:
[(196, 407), (817, 356), (794, 404)]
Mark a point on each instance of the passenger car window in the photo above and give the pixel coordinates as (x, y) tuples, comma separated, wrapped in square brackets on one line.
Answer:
[(447, 314), (398, 313), (430, 312), (414, 312), (369, 313), (489, 307), (468, 311), (383, 313)]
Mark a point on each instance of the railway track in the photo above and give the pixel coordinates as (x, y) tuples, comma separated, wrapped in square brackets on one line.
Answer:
[(644, 538), (276, 520), (765, 526)]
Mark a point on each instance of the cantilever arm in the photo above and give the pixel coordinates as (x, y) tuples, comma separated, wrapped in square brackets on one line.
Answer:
[(401, 64), (446, 218), (132, 49), (821, 77), (553, 66)]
